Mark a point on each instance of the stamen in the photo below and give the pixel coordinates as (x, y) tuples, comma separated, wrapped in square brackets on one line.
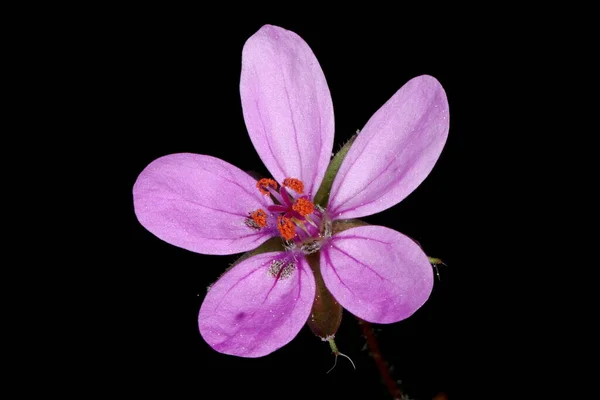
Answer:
[(295, 184), (303, 206), (286, 228), (310, 221), (300, 225), (263, 185), (259, 217)]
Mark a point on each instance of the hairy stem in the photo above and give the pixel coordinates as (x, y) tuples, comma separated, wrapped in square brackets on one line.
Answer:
[(382, 366)]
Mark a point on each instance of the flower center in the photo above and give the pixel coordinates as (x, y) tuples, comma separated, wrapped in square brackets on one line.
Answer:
[(294, 216)]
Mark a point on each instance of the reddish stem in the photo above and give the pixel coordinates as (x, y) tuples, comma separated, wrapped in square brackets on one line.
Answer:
[(381, 364)]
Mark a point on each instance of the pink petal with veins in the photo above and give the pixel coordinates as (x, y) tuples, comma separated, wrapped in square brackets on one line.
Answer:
[(376, 273), (394, 152), (199, 203), (287, 106), (255, 308)]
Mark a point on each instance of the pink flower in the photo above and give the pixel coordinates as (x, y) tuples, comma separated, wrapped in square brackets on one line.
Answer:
[(209, 206)]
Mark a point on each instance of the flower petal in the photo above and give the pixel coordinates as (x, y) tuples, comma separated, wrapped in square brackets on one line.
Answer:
[(394, 152), (199, 203), (248, 312), (376, 273), (287, 106)]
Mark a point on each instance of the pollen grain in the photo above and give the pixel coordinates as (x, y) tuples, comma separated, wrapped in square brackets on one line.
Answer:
[(303, 206), (264, 183), (295, 184), (286, 227), (259, 217)]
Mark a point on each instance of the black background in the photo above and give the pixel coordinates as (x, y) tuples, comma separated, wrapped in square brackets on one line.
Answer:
[(174, 88)]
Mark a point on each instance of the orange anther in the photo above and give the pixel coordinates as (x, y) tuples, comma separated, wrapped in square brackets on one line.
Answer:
[(286, 228), (303, 206), (264, 184), (259, 217), (295, 184)]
